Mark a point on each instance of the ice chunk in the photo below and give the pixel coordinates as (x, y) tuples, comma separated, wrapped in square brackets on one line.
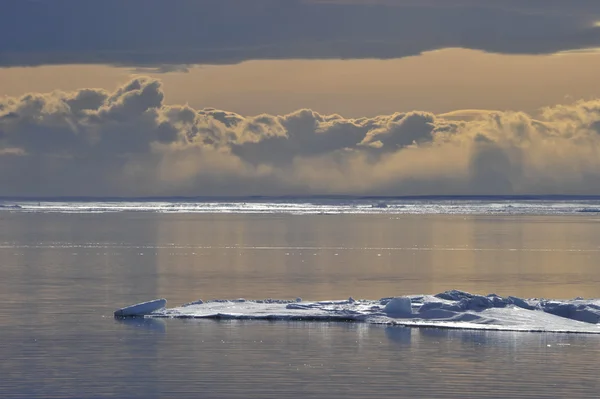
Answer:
[(520, 303), (588, 313), (15, 206), (454, 295), (197, 302), (589, 210), (399, 306), (141, 309)]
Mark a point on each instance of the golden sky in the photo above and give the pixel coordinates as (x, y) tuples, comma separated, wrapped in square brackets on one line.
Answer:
[(282, 97), (438, 81)]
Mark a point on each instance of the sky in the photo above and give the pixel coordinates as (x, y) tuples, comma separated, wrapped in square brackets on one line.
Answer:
[(299, 97)]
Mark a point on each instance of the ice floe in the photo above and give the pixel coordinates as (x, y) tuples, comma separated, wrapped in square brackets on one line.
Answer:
[(449, 309)]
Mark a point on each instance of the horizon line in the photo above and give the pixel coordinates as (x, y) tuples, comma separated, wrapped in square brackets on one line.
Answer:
[(239, 198)]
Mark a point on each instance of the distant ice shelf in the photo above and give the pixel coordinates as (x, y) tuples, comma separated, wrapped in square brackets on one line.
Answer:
[(582, 206), (450, 309)]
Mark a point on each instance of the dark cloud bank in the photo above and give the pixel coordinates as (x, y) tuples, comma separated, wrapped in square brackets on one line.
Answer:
[(129, 143), (179, 32)]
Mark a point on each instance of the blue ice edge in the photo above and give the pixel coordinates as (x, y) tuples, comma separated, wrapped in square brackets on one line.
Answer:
[(450, 309), (141, 309)]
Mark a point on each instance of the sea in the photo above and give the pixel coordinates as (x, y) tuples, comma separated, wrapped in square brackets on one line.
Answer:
[(67, 264)]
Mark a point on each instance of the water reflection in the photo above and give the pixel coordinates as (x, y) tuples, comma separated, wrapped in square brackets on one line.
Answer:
[(372, 256), (399, 335), (154, 325), (62, 276)]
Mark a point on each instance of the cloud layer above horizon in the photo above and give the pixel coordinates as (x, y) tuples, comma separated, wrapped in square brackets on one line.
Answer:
[(129, 143), (167, 35)]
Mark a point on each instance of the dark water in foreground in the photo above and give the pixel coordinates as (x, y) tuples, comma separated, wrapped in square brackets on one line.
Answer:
[(62, 275)]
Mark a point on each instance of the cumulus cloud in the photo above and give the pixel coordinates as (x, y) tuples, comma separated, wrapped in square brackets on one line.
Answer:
[(128, 142), (165, 36)]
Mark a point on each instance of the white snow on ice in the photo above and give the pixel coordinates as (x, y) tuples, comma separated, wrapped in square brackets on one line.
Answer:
[(450, 309)]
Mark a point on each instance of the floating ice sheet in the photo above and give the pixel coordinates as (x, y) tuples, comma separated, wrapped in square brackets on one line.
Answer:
[(450, 309)]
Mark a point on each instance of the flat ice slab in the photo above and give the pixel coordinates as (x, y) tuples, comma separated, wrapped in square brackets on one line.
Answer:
[(141, 309), (450, 309)]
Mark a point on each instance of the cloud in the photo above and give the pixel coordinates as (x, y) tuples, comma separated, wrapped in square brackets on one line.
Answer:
[(165, 36), (127, 142)]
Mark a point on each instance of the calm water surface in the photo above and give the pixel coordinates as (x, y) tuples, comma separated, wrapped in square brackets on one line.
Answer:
[(62, 276)]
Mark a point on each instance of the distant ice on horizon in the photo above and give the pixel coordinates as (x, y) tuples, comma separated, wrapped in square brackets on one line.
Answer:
[(319, 206), (451, 309)]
